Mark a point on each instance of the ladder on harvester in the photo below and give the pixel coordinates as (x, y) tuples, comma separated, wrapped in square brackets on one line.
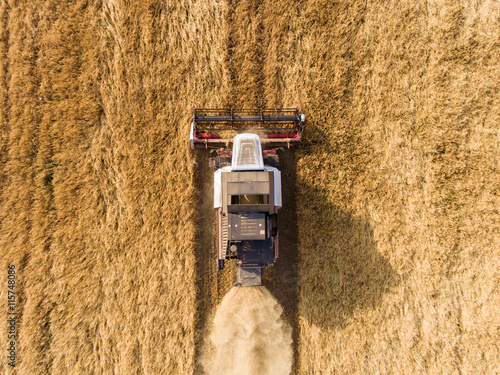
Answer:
[(224, 236)]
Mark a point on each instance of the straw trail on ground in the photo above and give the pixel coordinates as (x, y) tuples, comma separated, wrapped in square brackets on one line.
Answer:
[(248, 335)]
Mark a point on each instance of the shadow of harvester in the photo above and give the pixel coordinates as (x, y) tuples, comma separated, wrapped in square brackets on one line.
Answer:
[(340, 268)]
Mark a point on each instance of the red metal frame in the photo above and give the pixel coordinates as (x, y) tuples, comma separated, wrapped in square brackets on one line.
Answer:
[(208, 140)]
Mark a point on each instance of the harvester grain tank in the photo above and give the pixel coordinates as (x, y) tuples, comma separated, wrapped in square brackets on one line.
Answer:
[(247, 181)]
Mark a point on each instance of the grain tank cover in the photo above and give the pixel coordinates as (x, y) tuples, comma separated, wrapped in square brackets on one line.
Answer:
[(247, 153)]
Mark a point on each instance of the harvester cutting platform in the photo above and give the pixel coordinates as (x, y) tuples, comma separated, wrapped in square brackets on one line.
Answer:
[(247, 181)]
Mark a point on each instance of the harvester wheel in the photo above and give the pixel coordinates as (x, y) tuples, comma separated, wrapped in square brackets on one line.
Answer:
[(274, 224), (272, 161), (220, 264)]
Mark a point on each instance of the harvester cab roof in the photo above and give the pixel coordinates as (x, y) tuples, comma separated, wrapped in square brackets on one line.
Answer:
[(247, 153), (247, 181)]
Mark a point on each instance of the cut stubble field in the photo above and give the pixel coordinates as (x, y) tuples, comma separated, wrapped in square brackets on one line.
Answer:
[(390, 230)]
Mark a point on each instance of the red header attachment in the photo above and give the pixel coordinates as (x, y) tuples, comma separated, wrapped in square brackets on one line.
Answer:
[(216, 128)]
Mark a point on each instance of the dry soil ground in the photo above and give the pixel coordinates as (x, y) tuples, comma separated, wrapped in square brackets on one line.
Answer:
[(391, 229)]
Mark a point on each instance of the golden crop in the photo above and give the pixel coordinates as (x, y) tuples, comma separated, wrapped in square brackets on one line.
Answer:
[(389, 237)]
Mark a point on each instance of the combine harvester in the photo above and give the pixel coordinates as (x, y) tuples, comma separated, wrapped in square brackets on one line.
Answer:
[(247, 181)]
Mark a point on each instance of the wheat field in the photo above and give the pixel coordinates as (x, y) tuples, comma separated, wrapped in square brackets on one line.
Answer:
[(390, 230)]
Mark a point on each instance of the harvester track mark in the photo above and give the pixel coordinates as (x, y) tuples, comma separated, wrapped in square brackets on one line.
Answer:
[(282, 280), (206, 268), (211, 284)]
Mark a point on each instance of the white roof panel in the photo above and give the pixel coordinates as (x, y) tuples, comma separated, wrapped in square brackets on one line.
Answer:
[(247, 153)]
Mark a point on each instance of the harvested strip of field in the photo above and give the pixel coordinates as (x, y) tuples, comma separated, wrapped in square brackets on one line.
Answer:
[(248, 335)]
